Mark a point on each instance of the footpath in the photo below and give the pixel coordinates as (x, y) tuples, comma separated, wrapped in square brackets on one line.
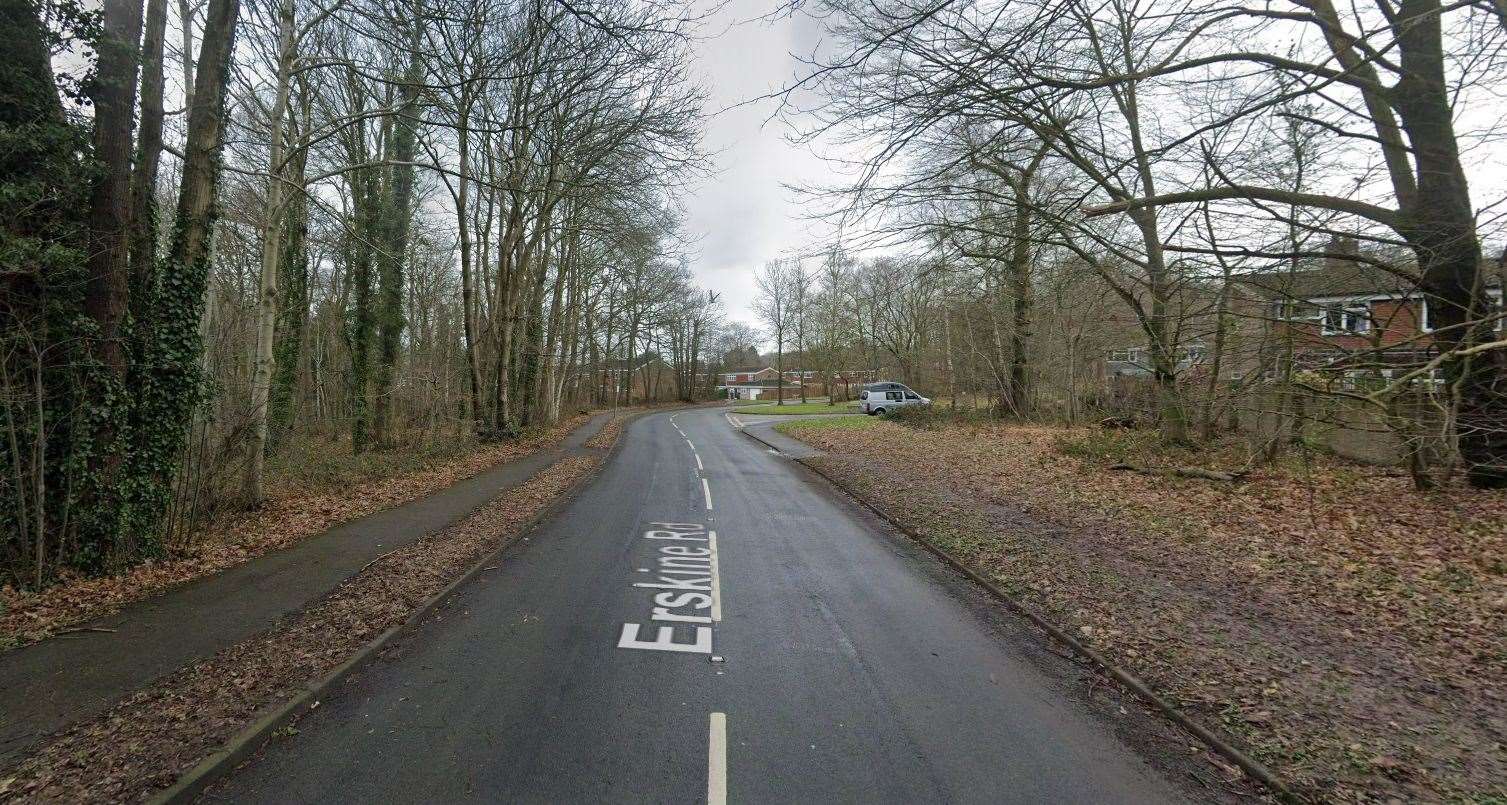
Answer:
[(761, 428), (47, 686)]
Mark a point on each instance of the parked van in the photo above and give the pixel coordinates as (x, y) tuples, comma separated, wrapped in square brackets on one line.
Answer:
[(876, 398)]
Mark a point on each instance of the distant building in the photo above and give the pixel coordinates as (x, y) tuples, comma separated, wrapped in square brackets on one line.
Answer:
[(1354, 314), (1136, 361), (747, 375), (761, 389), (750, 381)]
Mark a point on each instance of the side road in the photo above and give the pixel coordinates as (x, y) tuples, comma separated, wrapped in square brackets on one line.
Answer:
[(50, 685)]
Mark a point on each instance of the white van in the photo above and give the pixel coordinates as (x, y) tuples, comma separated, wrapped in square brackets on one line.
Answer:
[(876, 398)]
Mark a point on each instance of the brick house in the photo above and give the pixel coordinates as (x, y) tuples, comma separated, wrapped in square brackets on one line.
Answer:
[(1351, 313), (752, 374), (761, 383), (762, 389)]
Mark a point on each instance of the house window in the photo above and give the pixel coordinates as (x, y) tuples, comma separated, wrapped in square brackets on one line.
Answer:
[(1494, 311), (1295, 310), (1350, 319)]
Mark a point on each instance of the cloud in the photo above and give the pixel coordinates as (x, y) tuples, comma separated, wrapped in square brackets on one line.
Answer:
[(743, 215)]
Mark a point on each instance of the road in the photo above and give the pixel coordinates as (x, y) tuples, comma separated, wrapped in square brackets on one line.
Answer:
[(802, 653)]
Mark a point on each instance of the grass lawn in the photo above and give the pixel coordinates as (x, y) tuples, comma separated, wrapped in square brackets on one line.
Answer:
[(798, 408), (800, 426)]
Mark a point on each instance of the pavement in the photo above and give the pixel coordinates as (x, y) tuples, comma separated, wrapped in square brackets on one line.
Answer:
[(708, 622), (47, 686), (762, 428)]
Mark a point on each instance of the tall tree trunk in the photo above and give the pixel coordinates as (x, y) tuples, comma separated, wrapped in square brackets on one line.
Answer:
[(467, 281), (114, 95), (143, 247), (531, 346), (106, 295), (779, 366), (1216, 365), (169, 394), (272, 234), (186, 14), (1440, 227), (1171, 413), (366, 198), (1020, 293), (294, 286), (395, 244), (544, 391)]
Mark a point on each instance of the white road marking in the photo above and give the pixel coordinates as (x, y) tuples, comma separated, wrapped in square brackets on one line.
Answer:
[(716, 761), (706, 491), (685, 581), (734, 421), (698, 462), (711, 542)]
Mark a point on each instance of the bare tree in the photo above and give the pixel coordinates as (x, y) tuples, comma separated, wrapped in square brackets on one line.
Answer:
[(775, 303)]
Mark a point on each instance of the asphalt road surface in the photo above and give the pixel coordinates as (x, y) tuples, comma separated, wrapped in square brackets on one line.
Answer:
[(706, 622)]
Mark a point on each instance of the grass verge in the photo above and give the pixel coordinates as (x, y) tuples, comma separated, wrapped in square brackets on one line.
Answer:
[(1348, 631), (790, 408)]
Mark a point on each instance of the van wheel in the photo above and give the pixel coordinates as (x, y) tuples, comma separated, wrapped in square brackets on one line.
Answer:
[(877, 412)]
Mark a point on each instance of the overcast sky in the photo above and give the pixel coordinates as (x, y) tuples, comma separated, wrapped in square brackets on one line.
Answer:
[(743, 215)]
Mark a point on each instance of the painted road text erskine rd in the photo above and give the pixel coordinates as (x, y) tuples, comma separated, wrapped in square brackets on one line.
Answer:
[(687, 597)]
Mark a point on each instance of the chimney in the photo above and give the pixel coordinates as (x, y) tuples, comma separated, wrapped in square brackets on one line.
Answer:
[(1339, 251)]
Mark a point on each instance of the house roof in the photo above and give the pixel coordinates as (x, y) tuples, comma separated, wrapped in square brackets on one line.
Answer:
[(763, 384), (1341, 277), (618, 364), (747, 370)]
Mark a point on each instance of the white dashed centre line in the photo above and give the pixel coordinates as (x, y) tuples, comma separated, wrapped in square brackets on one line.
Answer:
[(706, 491), (716, 761)]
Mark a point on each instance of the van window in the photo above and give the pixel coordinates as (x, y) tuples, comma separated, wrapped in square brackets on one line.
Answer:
[(894, 395), (863, 395), (911, 395)]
